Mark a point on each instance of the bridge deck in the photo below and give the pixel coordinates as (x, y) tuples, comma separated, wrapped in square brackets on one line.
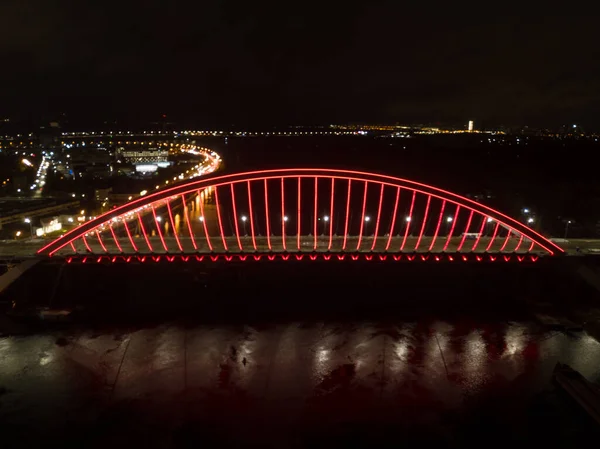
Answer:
[(306, 244)]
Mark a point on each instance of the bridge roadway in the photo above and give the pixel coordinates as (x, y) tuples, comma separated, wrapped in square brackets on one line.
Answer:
[(27, 248)]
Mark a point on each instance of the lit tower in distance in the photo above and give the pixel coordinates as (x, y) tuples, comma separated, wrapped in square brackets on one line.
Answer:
[(470, 126)]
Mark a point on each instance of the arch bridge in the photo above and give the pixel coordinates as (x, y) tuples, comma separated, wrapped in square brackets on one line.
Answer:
[(296, 214)]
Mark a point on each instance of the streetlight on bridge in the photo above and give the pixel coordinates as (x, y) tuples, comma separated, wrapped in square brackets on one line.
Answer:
[(449, 220), (28, 221), (567, 223), (244, 218)]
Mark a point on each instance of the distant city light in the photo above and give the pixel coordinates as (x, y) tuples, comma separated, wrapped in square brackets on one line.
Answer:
[(449, 219), (470, 125), (326, 218), (26, 162), (159, 218), (244, 218), (201, 218), (530, 220), (525, 211), (490, 219), (408, 219), (367, 218), (285, 218)]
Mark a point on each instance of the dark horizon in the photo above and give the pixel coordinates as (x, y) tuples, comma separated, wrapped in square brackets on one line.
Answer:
[(227, 62)]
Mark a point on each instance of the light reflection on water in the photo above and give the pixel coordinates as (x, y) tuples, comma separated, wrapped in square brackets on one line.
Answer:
[(418, 360)]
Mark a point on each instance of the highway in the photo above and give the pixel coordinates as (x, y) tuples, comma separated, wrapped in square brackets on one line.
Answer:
[(28, 248)]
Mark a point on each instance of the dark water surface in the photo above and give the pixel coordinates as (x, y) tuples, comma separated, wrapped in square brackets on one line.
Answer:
[(297, 355)]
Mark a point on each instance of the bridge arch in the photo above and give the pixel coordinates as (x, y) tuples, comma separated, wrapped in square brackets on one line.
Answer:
[(301, 210)]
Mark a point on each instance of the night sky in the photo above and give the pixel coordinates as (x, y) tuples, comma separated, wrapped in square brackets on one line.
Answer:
[(256, 63)]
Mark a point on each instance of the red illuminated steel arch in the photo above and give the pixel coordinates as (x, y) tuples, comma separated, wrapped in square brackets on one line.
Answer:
[(301, 210)]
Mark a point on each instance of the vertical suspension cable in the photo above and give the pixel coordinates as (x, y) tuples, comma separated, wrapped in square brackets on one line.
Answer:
[(129, 236), (186, 217), (283, 215), (409, 219), (173, 225), (331, 203), (483, 223), (112, 231), (531, 247), (465, 232), (267, 215), (378, 216), (157, 224), (86, 243), (73, 247), (251, 215), (393, 219), (506, 240), (347, 215), (437, 228), (100, 240), (493, 236), (299, 212), (315, 212), (424, 223), (144, 233), (237, 231), (519, 244), (219, 218), (454, 220), (362, 219), (203, 219)]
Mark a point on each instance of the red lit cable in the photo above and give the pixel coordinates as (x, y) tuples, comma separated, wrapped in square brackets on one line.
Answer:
[(378, 217), (452, 227), (465, 232), (86, 243), (505, 241), (251, 216), (519, 244), (237, 232), (203, 219), (173, 225), (531, 247), (331, 203), (283, 215), (219, 218), (267, 215), (144, 232), (187, 219), (347, 214), (362, 219), (439, 223), (299, 213), (160, 234), (485, 218), (112, 231), (73, 247), (493, 236), (424, 223), (129, 235), (100, 240), (315, 211), (393, 219), (409, 219)]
